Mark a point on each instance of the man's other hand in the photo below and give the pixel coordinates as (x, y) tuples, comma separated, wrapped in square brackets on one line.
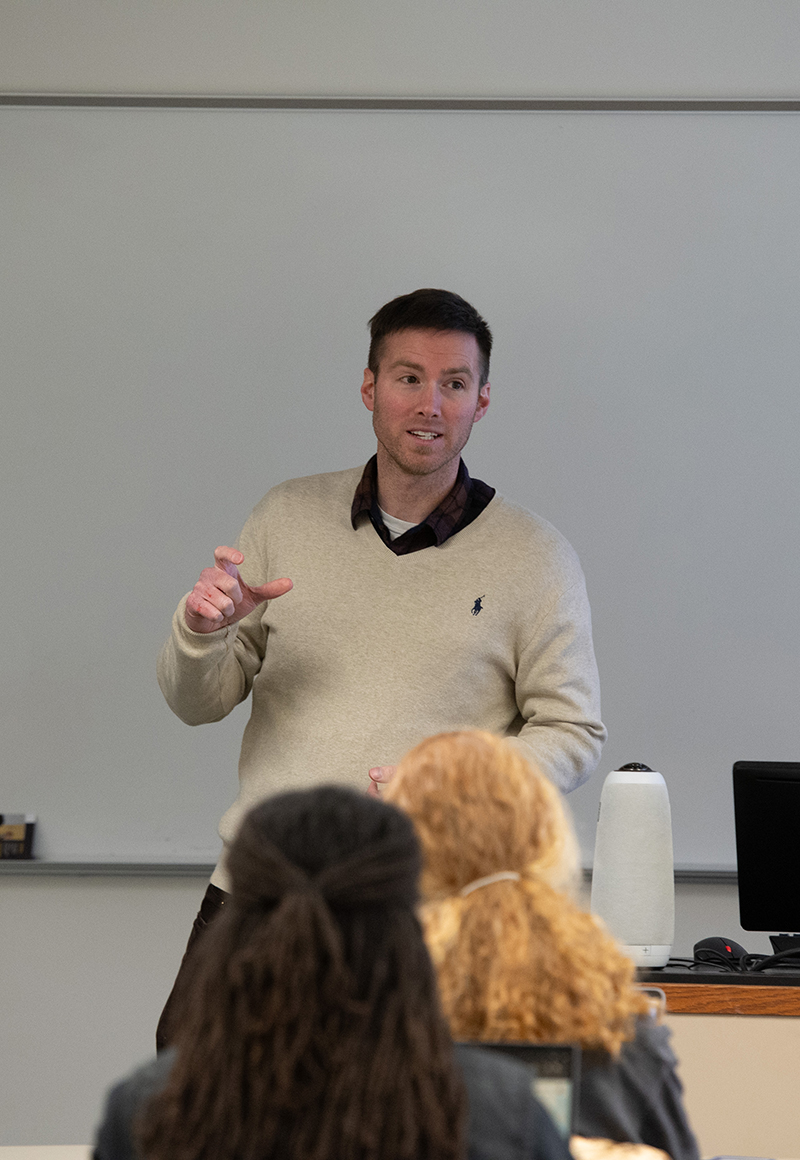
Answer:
[(379, 775), (220, 597)]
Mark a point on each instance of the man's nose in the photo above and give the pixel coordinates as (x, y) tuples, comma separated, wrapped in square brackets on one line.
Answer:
[(430, 400)]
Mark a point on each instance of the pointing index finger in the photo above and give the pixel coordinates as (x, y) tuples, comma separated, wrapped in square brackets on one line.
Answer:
[(228, 559)]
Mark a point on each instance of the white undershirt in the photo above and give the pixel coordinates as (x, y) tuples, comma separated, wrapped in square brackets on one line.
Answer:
[(396, 527)]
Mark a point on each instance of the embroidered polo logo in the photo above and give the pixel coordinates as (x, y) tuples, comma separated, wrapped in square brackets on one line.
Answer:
[(477, 606)]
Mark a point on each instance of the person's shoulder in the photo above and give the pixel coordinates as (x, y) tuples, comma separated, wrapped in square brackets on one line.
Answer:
[(525, 533), (329, 488), (525, 522), (648, 1039), (652, 1039), (506, 1121), (115, 1135), (145, 1080), (647, 1053), (483, 1066)]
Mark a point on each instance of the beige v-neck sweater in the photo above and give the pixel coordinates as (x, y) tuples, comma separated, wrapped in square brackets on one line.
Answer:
[(370, 652)]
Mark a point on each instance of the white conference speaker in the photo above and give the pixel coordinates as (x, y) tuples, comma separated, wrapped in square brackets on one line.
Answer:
[(633, 885)]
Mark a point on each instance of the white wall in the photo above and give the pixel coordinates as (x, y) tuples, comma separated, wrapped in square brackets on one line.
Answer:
[(87, 966), (639, 48), (641, 275), (88, 962)]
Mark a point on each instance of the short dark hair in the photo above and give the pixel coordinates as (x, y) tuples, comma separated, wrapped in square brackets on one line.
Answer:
[(429, 310)]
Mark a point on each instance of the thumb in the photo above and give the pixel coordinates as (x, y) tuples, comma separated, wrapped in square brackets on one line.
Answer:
[(271, 590)]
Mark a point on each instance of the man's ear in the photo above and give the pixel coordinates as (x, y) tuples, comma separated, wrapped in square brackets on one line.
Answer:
[(368, 389), (483, 402)]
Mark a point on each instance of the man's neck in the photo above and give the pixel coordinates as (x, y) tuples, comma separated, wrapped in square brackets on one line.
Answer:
[(412, 497)]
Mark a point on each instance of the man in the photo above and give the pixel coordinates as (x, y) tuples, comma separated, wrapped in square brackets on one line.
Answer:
[(366, 609)]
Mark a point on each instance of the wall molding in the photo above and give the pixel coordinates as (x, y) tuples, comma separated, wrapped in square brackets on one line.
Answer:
[(400, 104), (705, 875)]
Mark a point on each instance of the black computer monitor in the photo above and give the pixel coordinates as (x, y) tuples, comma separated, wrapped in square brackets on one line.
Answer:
[(766, 802)]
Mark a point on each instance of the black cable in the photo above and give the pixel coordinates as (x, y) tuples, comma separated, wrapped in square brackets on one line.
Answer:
[(708, 958), (778, 960)]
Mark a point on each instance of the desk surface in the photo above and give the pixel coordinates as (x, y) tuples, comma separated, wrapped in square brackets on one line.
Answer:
[(723, 993), (730, 999), (45, 1152)]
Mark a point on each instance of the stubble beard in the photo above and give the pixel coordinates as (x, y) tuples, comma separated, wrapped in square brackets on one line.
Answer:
[(419, 468)]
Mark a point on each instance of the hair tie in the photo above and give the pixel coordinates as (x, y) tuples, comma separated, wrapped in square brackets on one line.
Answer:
[(500, 876)]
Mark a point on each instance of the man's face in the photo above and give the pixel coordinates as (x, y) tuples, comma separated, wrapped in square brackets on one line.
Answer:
[(425, 398)]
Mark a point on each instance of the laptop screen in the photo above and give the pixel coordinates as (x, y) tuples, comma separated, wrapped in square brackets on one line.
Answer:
[(555, 1077)]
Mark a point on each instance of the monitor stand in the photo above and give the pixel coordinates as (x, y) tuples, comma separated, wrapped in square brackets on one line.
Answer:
[(784, 942)]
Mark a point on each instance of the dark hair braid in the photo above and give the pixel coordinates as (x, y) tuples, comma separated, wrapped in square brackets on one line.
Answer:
[(312, 1029)]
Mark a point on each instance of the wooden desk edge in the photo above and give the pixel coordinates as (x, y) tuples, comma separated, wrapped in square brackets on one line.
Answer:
[(733, 999)]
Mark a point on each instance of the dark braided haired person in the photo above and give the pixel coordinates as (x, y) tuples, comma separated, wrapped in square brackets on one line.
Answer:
[(311, 1027)]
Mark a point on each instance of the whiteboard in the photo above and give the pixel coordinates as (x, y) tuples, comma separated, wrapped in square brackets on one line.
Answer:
[(184, 303)]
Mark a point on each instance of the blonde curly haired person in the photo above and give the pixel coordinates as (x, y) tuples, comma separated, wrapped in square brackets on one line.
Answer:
[(516, 956)]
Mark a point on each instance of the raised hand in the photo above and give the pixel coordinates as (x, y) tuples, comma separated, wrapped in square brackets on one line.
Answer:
[(220, 597)]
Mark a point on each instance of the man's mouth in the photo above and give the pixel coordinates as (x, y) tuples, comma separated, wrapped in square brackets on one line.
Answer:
[(429, 435)]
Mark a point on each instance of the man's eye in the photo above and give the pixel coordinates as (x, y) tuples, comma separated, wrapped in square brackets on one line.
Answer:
[(457, 385), (408, 379)]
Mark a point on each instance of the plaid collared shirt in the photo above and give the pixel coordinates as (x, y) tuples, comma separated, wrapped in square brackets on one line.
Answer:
[(464, 503)]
